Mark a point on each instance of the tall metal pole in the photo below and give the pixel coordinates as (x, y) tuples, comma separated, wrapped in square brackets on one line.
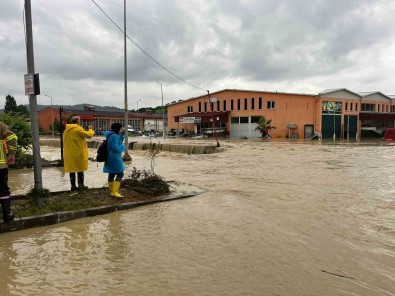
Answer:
[(33, 99), (126, 156), (61, 127), (52, 124), (138, 123), (212, 118), (163, 111)]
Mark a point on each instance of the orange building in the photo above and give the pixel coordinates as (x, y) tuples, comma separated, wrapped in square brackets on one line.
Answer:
[(336, 113)]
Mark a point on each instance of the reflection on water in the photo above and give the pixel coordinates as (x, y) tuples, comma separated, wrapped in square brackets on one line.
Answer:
[(276, 214)]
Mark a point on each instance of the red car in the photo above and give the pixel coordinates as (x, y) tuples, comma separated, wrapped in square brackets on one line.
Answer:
[(389, 134)]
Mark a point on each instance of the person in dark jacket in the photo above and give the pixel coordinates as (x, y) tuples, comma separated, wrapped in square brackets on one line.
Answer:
[(8, 145), (114, 164)]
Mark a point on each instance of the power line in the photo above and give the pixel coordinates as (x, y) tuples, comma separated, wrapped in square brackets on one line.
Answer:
[(147, 54)]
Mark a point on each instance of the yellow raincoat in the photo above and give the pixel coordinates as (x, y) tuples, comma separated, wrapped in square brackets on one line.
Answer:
[(75, 148)]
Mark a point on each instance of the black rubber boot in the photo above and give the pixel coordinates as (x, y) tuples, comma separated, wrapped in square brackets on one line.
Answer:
[(6, 207), (81, 185), (72, 181)]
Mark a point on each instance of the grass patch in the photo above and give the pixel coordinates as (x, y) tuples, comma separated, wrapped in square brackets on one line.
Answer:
[(140, 185)]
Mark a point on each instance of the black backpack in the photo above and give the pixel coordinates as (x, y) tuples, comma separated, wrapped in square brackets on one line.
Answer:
[(102, 151)]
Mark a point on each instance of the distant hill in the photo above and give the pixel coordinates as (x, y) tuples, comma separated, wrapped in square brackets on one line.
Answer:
[(78, 107)]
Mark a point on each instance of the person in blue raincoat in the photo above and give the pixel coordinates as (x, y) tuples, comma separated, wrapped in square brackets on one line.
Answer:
[(114, 164)]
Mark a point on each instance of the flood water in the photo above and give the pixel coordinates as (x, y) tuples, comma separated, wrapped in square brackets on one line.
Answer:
[(277, 218)]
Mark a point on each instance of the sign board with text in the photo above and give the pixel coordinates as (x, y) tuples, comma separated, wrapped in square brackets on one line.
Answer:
[(29, 84), (190, 119)]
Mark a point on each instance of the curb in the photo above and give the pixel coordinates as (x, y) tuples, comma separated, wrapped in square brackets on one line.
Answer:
[(59, 217)]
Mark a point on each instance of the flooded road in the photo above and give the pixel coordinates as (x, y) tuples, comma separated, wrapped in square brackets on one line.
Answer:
[(278, 218)]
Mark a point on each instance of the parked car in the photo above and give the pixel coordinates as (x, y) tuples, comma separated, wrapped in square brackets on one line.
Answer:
[(389, 134)]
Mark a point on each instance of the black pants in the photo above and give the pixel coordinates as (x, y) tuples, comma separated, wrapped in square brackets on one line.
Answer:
[(118, 177), (4, 189), (5, 196)]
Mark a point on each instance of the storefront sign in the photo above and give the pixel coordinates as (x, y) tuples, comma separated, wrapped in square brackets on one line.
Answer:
[(190, 119)]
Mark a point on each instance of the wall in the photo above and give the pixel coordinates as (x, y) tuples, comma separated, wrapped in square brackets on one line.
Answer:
[(289, 108)]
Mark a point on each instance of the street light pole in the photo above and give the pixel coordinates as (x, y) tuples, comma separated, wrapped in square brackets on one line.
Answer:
[(163, 111), (52, 124), (126, 156), (138, 124)]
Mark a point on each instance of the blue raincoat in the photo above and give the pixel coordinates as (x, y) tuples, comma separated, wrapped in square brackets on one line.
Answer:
[(114, 163)]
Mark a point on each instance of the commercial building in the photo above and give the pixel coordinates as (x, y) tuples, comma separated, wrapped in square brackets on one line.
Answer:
[(338, 113), (100, 120)]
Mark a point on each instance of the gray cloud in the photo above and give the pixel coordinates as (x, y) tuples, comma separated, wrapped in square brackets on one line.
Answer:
[(299, 45)]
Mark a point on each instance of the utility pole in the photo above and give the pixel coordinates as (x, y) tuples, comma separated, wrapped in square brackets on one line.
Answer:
[(52, 124), (138, 123), (212, 118), (126, 156), (163, 111), (61, 127), (33, 100)]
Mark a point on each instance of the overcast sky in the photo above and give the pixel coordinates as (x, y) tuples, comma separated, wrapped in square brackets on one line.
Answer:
[(303, 46)]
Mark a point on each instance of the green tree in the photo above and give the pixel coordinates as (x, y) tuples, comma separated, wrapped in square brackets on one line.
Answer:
[(22, 109), (10, 105), (18, 124), (264, 126)]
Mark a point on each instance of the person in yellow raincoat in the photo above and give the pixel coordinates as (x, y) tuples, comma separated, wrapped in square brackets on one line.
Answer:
[(76, 152)]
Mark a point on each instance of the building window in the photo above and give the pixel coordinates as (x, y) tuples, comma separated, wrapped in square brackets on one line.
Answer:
[(245, 104), (243, 119), (386, 108), (200, 107), (224, 105), (190, 109), (234, 120), (255, 119), (231, 105), (260, 103), (271, 105), (350, 106), (238, 104), (218, 105), (382, 108), (346, 107), (205, 106), (378, 107), (368, 107), (252, 103)]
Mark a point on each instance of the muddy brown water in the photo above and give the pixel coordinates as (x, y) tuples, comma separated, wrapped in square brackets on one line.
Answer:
[(278, 218)]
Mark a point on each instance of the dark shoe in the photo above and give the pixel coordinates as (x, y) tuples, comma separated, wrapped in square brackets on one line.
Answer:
[(8, 218), (82, 187), (74, 188), (6, 208)]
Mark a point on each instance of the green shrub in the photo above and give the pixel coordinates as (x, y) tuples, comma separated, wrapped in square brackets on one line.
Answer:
[(146, 182)]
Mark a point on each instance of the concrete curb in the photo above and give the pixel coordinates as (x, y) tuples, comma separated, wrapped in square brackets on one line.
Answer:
[(59, 217)]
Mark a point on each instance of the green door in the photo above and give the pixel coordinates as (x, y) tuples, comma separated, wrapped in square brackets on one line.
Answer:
[(331, 124), (350, 126)]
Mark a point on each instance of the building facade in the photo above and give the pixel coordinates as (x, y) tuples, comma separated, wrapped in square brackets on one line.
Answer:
[(338, 114), (100, 121)]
